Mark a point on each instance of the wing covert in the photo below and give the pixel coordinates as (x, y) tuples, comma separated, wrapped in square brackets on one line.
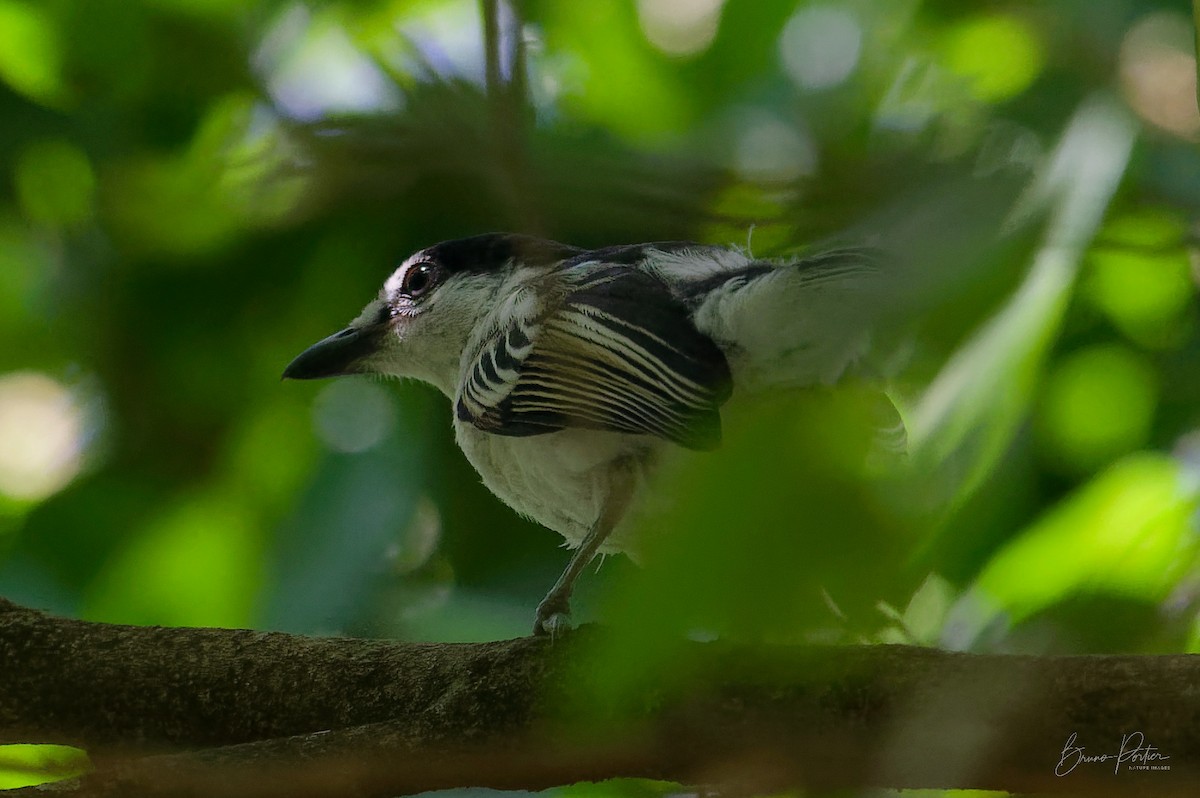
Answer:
[(617, 353)]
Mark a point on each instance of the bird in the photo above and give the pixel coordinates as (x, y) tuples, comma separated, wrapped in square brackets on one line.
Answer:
[(572, 371)]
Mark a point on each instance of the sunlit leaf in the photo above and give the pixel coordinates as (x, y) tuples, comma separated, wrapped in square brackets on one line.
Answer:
[(196, 565), (31, 51), (27, 765), (926, 611), (1000, 55), (749, 217), (1129, 532), (1097, 403), (1139, 276)]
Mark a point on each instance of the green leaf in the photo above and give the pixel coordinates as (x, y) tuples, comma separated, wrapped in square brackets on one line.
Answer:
[(27, 765), (1127, 533), (1139, 276), (196, 565), (1097, 403), (1000, 55), (967, 417), (31, 52)]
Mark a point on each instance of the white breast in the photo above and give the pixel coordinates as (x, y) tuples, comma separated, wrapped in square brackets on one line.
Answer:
[(559, 479)]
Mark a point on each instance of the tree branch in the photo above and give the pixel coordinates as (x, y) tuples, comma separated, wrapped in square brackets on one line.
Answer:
[(276, 714)]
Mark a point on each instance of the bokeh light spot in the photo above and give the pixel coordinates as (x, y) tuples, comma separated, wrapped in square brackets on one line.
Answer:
[(353, 415), (1141, 277), (769, 150), (1158, 72), (313, 68), (1098, 403), (440, 41), (999, 55), (42, 433), (680, 27), (421, 538), (30, 51), (198, 564), (820, 46)]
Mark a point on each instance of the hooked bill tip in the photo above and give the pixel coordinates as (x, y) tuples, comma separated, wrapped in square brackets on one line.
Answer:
[(334, 356)]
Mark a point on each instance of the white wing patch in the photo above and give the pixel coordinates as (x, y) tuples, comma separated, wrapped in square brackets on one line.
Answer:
[(795, 324), (697, 262)]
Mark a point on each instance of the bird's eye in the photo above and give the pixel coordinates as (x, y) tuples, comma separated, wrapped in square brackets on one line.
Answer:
[(418, 280)]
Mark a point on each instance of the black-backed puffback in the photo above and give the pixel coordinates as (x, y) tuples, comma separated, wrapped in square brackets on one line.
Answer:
[(569, 370)]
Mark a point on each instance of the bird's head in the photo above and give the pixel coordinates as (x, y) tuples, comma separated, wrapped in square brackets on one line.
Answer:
[(421, 321)]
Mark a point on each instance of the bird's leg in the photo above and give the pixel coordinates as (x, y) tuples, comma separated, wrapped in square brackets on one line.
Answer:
[(553, 610)]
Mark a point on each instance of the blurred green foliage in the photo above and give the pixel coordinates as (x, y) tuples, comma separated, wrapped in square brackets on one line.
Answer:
[(23, 765), (196, 189)]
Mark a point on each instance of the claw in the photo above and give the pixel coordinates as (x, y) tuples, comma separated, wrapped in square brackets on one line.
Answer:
[(556, 606), (553, 626), (552, 615)]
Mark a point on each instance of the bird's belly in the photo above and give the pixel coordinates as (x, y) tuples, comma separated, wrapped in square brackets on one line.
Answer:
[(559, 479)]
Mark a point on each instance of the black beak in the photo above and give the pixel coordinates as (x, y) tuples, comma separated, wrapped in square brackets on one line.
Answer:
[(334, 356)]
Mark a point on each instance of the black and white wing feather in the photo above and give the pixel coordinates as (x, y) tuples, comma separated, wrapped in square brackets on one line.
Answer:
[(616, 352)]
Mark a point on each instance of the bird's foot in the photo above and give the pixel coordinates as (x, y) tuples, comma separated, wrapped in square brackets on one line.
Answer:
[(552, 614)]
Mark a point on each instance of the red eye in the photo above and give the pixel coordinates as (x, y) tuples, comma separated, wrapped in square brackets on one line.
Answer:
[(418, 280)]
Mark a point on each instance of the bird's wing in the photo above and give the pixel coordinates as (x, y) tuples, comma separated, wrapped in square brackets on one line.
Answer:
[(617, 352)]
